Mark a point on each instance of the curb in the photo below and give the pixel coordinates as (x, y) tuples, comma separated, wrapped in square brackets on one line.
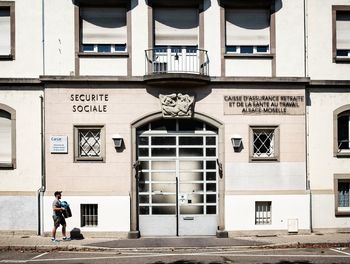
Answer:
[(47, 248)]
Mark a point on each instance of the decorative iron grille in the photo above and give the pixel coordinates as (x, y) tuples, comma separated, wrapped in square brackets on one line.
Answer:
[(263, 143), (89, 142), (343, 194), (89, 214), (262, 213)]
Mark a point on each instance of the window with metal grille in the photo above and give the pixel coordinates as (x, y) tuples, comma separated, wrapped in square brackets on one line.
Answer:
[(262, 213), (89, 143), (344, 131), (264, 143), (89, 214)]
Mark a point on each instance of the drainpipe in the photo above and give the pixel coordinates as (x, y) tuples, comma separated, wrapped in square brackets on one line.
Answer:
[(307, 95), (43, 33), (41, 191)]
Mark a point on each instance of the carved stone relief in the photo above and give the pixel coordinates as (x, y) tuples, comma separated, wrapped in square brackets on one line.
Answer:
[(176, 105)]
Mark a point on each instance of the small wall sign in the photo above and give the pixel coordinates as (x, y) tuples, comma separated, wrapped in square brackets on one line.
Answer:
[(59, 144)]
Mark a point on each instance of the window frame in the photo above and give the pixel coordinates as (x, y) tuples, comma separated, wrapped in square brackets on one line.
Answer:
[(11, 6), (268, 219), (337, 179), (276, 156), (272, 28), (336, 113), (12, 113), (102, 157), (335, 9), (82, 215)]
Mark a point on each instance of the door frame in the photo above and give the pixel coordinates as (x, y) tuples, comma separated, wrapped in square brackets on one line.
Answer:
[(134, 217)]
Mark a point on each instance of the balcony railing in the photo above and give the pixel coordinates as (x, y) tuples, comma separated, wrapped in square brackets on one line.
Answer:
[(176, 60)]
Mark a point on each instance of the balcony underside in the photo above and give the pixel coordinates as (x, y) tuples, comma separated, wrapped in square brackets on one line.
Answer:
[(176, 79)]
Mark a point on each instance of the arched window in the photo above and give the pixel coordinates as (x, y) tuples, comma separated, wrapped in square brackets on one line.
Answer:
[(7, 137), (343, 121)]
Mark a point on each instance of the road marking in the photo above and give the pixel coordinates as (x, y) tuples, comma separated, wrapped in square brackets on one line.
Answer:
[(13, 261), (339, 251), (188, 254), (38, 256)]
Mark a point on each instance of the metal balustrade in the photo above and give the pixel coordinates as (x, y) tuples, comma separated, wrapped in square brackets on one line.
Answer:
[(190, 60)]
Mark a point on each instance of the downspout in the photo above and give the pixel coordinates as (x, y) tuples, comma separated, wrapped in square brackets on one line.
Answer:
[(307, 101), (41, 191)]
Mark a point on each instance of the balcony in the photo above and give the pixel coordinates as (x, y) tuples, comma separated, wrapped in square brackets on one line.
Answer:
[(172, 65)]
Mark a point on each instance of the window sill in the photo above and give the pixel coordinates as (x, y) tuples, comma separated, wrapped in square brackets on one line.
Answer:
[(264, 159), (7, 166), (342, 213), (103, 54), (248, 56), (7, 57), (341, 59), (342, 154), (89, 160)]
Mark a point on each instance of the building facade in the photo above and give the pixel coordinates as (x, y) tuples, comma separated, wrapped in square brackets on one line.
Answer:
[(163, 118)]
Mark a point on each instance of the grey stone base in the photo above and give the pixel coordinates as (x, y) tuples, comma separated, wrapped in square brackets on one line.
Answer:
[(221, 234), (134, 234)]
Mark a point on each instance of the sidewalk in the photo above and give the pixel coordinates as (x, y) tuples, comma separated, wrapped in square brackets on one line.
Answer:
[(32, 242)]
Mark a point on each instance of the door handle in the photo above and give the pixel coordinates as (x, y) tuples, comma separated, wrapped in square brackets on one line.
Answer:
[(188, 218)]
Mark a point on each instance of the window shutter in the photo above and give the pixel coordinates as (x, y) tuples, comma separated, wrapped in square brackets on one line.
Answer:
[(103, 25), (249, 27), (176, 26), (5, 32), (343, 30), (5, 140)]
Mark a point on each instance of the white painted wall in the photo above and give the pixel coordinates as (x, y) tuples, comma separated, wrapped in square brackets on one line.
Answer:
[(212, 36), (240, 211), (104, 66), (113, 213), (59, 37), (28, 49), (290, 38), (139, 28), (26, 177), (322, 164), (321, 65), (248, 67)]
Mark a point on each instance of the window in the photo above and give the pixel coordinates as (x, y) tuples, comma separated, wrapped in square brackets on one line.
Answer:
[(344, 132), (248, 31), (89, 215), (7, 30), (89, 143), (341, 128), (264, 143), (176, 26), (103, 29), (262, 213), (7, 137), (341, 191), (341, 33)]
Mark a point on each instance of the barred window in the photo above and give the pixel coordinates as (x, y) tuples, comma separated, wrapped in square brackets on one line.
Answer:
[(262, 213), (264, 143), (342, 194), (89, 215), (89, 143)]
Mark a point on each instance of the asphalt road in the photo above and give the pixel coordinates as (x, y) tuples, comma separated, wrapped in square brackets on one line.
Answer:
[(208, 256)]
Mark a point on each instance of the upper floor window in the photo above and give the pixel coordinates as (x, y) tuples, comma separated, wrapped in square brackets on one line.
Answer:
[(247, 30), (176, 26), (103, 29), (7, 137), (7, 30), (341, 34), (343, 121)]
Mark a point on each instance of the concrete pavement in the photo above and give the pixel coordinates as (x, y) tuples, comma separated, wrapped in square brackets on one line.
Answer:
[(32, 242)]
